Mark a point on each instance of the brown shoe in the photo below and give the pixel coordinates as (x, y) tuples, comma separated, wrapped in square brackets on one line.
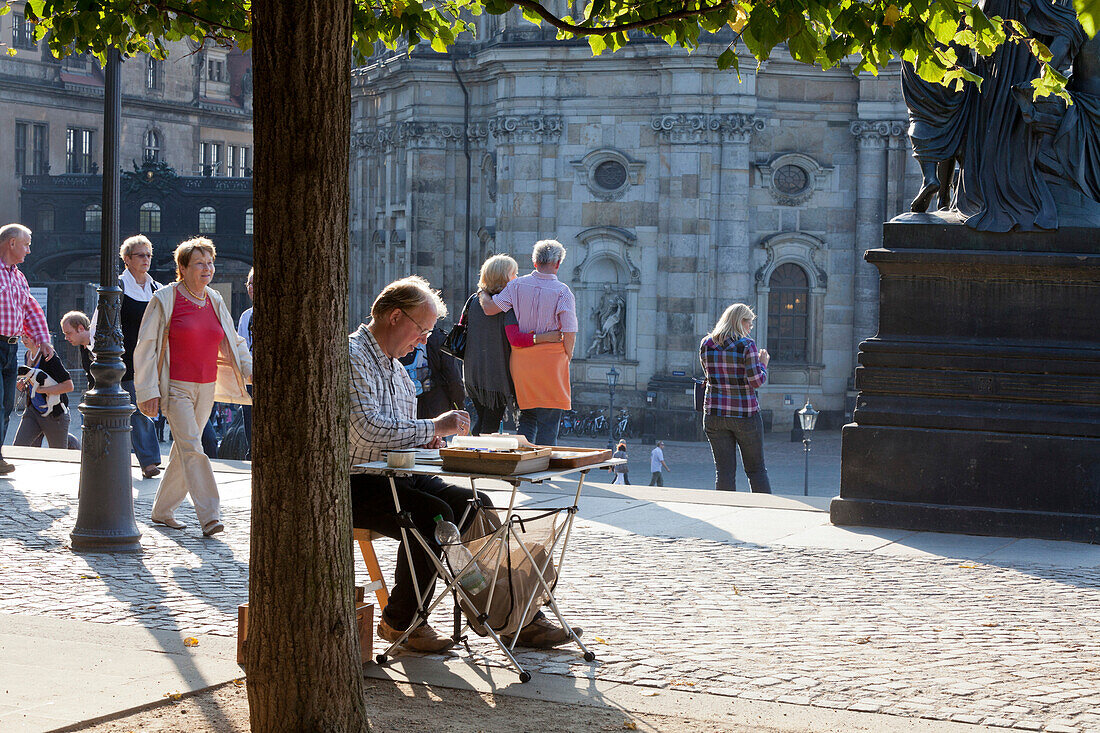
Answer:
[(423, 639), (542, 633), (151, 471), (5, 467)]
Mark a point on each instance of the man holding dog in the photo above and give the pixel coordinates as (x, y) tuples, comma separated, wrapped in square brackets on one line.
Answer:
[(19, 314), (383, 417)]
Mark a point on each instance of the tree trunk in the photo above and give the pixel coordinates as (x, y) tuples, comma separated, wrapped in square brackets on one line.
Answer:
[(302, 658)]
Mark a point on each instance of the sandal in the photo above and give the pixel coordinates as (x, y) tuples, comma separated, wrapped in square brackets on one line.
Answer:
[(212, 527), (171, 522)]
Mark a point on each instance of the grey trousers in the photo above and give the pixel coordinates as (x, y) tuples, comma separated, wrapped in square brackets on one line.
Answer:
[(33, 427)]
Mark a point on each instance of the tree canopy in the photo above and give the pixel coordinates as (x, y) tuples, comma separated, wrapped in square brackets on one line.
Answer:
[(928, 33)]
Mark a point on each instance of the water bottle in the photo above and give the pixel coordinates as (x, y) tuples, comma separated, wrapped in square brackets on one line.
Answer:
[(446, 534)]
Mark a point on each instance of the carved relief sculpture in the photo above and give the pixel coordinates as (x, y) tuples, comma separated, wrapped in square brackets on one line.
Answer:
[(610, 317)]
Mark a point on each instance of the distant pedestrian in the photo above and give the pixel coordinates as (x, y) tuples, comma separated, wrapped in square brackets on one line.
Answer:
[(656, 463), (244, 330), (542, 304), (19, 314), (734, 370), (622, 475), (437, 377)]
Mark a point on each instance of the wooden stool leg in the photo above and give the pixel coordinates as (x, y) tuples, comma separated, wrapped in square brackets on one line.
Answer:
[(375, 573)]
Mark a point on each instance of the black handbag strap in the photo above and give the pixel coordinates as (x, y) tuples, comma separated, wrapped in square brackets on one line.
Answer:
[(466, 309)]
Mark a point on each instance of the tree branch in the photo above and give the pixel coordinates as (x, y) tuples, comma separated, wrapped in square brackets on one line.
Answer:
[(165, 7), (584, 30)]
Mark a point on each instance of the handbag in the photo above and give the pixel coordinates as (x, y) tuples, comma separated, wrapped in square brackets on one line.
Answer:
[(455, 342)]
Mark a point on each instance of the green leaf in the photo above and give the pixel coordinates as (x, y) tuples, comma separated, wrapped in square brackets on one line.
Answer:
[(598, 44), (532, 17), (727, 59), (1088, 12)]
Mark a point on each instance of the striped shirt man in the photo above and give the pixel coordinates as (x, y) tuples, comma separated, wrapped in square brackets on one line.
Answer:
[(19, 312), (541, 303)]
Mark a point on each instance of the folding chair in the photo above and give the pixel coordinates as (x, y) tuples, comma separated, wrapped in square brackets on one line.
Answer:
[(365, 539)]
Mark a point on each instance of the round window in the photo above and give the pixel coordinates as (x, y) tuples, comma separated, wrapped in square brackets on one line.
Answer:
[(610, 175), (790, 179)]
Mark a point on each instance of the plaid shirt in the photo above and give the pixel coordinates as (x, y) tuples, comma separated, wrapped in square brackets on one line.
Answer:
[(734, 373), (383, 403), (19, 312)]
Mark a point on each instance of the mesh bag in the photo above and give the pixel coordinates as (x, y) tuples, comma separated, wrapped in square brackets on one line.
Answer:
[(505, 559)]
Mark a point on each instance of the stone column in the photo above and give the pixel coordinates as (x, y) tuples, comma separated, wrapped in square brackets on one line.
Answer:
[(872, 136), (733, 248), (427, 145)]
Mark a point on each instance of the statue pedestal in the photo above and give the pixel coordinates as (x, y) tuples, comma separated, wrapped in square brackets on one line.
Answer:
[(979, 399)]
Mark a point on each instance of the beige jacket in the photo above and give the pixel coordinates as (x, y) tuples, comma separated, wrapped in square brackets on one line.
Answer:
[(151, 358)]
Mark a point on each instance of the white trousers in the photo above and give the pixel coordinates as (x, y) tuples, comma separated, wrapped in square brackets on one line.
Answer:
[(188, 471)]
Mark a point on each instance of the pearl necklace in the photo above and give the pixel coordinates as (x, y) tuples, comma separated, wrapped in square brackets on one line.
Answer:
[(202, 300)]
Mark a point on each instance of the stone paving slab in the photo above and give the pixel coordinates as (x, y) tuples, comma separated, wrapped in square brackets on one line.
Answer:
[(998, 640)]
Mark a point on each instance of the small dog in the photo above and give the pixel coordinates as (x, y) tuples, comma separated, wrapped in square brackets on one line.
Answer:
[(44, 404)]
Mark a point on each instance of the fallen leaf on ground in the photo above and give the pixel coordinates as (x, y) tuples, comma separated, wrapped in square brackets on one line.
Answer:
[(190, 641), (600, 640), (651, 693), (174, 695), (862, 640), (990, 624), (968, 566), (630, 725)]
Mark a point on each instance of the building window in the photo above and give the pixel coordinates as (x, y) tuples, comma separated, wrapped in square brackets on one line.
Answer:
[(239, 160), (93, 218), (788, 314), (152, 73), (149, 218), (248, 220), (214, 70), (78, 148), (22, 32), (151, 144), (44, 220), (610, 175), (210, 159), (40, 152), (791, 180), (208, 220), (20, 148)]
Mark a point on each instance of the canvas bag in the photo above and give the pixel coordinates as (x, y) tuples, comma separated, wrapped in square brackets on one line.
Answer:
[(516, 577)]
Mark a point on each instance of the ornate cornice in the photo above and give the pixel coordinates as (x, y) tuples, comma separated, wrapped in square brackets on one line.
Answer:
[(502, 129), (688, 129), (876, 133)]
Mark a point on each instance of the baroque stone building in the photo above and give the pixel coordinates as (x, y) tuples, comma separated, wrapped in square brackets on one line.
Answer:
[(186, 144), (676, 188)]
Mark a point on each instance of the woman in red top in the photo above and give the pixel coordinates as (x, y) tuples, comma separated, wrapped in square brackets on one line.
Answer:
[(187, 350)]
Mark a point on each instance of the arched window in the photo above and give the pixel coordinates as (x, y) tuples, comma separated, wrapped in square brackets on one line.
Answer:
[(93, 217), (248, 220), (152, 73), (151, 143), (208, 220), (788, 314), (149, 218), (44, 219)]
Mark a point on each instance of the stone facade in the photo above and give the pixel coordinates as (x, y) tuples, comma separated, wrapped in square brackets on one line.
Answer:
[(187, 113), (681, 186)]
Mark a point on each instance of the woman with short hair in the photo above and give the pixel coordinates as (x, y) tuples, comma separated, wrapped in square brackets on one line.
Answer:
[(188, 355), (734, 369), (489, 343)]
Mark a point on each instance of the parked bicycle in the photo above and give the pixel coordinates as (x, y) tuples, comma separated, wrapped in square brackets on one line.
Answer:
[(622, 425), (568, 423)]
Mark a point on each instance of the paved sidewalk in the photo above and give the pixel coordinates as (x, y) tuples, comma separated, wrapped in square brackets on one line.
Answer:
[(721, 599)]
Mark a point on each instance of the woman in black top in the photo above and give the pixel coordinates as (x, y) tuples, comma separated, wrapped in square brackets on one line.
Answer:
[(46, 385), (485, 367)]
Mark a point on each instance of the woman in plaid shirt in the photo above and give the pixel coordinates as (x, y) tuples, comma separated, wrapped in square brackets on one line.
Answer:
[(734, 370)]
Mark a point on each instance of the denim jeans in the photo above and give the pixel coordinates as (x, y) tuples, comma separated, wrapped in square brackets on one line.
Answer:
[(8, 372), (726, 435), (540, 425), (143, 433)]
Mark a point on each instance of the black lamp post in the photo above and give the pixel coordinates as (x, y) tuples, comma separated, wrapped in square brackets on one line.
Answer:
[(807, 418), (612, 381), (105, 512)]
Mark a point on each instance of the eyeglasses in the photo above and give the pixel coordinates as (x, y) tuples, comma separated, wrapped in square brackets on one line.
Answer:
[(142, 255), (423, 331)]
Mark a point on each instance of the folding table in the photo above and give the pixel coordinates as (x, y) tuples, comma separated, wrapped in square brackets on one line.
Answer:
[(507, 531)]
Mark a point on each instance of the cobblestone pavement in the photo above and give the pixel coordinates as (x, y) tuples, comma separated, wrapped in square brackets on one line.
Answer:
[(1013, 646)]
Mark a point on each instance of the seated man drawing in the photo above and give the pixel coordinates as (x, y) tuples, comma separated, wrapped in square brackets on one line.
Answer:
[(383, 416)]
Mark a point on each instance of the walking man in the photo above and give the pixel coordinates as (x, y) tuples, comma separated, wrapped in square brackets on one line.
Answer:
[(19, 314), (540, 373), (656, 463)]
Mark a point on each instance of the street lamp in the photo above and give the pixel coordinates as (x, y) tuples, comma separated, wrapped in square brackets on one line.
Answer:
[(612, 381), (807, 418)]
